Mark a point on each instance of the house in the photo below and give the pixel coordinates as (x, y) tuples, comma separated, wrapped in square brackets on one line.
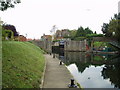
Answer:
[(22, 38), (29, 39), (46, 37), (61, 34)]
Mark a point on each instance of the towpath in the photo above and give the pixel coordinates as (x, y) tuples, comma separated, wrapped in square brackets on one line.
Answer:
[(56, 76)]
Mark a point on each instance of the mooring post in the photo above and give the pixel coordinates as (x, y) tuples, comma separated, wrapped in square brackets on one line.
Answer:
[(53, 55), (72, 85), (72, 82), (60, 62)]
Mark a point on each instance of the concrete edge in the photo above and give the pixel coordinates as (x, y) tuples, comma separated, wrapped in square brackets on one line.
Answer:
[(72, 76), (74, 79), (43, 75)]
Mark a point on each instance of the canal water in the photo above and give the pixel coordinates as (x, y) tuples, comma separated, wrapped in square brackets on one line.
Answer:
[(93, 70)]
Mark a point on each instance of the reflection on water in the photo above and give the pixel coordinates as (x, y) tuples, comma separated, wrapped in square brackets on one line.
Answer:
[(93, 70)]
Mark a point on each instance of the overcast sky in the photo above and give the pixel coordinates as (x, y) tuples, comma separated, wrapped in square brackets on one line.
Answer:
[(35, 17)]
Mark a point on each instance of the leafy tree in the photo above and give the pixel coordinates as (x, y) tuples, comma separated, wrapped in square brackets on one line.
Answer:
[(95, 32), (5, 4), (88, 31), (113, 28), (72, 34), (80, 32), (105, 29)]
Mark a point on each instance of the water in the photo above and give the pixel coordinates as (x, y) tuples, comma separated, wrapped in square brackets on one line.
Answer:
[(93, 70)]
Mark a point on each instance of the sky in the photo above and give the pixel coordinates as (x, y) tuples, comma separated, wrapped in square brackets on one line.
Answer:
[(33, 18)]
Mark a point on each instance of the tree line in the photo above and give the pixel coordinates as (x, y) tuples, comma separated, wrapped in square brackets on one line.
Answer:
[(82, 33)]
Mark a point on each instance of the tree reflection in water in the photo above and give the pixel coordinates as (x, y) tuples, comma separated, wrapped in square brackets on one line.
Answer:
[(113, 73), (111, 69)]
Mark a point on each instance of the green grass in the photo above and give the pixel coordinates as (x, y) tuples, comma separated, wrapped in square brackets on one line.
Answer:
[(103, 44), (98, 58), (22, 65), (98, 44)]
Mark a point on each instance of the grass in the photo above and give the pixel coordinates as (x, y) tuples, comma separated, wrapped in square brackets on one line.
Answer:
[(23, 65), (98, 58), (103, 44), (98, 44)]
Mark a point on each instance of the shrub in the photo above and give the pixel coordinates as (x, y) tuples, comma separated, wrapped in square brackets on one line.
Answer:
[(8, 34), (94, 35)]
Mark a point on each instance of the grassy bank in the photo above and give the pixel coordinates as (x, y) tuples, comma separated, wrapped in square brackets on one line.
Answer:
[(103, 44), (23, 65)]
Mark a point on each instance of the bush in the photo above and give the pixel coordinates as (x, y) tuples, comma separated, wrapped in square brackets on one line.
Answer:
[(8, 34), (94, 35), (79, 38)]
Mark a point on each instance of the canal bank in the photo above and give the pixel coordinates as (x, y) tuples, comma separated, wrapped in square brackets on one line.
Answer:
[(56, 75)]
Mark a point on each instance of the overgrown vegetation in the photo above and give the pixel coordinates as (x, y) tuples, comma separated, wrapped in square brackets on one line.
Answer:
[(23, 65)]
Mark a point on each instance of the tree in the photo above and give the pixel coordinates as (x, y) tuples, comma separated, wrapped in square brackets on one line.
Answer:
[(5, 4), (105, 29), (10, 27), (88, 31), (95, 32), (113, 28), (72, 34), (80, 32)]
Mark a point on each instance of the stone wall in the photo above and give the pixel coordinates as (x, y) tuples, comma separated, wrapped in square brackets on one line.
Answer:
[(45, 45), (75, 45), (104, 39), (68, 45)]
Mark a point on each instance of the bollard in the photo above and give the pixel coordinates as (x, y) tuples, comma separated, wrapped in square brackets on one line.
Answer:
[(72, 82), (53, 55), (72, 85), (50, 53), (60, 62)]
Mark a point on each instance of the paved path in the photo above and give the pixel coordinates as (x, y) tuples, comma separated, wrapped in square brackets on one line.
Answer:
[(56, 76)]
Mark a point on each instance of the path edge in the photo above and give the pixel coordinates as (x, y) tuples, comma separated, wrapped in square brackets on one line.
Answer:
[(43, 74)]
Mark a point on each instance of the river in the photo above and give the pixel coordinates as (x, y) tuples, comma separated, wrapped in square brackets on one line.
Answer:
[(93, 70)]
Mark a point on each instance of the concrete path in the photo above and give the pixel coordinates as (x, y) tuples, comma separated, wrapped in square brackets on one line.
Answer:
[(56, 76)]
